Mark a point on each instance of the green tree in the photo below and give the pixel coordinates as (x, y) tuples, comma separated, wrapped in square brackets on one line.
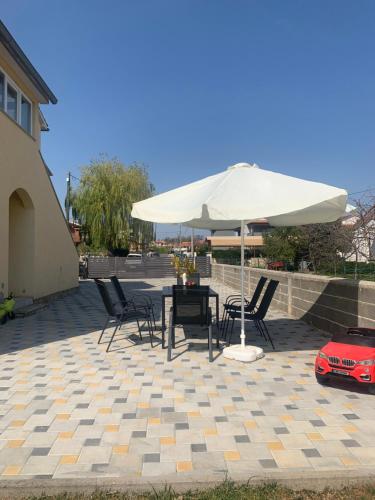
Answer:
[(103, 203), (285, 243), (324, 245), (328, 244)]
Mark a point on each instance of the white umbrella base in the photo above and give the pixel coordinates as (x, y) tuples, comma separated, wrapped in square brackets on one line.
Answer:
[(247, 354)]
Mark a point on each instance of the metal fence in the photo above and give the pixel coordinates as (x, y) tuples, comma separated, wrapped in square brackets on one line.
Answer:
[(147, 267), (360, 271), (343, 269)]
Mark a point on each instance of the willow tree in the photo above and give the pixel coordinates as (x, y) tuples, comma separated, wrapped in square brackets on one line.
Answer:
[(103, 203)]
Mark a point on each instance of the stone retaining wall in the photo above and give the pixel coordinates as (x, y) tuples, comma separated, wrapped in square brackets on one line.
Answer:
[(330, 304)]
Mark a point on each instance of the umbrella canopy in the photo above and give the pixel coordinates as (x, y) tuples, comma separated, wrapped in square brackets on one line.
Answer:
[(245, 193)]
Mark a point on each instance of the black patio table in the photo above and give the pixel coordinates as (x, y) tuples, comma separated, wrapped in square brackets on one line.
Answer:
[(167, 293)]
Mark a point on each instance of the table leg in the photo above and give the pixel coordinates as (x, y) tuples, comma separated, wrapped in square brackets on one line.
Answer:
[(217, 310), (163, 322), (217, 320)]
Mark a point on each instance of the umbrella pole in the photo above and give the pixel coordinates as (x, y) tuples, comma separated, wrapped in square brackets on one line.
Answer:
[(192, 246), (242, 352), (242, 283)]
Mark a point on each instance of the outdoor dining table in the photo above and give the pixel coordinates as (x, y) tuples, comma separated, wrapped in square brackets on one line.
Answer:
[(167, 293)]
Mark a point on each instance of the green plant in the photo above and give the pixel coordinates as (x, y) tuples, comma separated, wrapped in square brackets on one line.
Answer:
[(285, 244), (178, 265), (183, 265), (189, 266), (202, 249)]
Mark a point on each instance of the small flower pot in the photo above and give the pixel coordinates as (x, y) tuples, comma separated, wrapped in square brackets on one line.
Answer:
[(195, 277)]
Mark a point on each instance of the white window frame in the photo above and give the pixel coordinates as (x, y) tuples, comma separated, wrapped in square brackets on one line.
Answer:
[(4, 83), (10, 84), (20, 94)]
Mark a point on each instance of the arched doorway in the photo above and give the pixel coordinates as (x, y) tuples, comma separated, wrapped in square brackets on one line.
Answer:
[(21, 244)]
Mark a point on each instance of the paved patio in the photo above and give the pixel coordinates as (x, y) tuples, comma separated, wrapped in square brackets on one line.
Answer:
[(68, 409)]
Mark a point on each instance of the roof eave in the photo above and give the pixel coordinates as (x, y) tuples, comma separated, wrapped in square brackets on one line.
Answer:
[(22, 60)]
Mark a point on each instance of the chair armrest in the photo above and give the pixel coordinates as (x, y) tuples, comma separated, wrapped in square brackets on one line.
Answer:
[(118, 305), (234, 297), (231, 297), (131, 307), (141, 296), (237, 301)]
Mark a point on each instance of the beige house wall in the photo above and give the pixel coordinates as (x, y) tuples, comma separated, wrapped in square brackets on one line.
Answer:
[(37, 254)]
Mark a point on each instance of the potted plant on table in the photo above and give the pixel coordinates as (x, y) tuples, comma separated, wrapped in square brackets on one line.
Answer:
[(186, 271), (192, 276)]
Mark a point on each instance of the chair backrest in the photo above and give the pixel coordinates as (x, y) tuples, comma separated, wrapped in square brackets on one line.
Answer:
[(119, 291), (266, 299), (108, 304), (190, 305), (258, 290)]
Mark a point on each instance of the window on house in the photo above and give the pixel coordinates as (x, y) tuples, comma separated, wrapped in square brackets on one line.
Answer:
[(26, 114), (2, 91), (12, 102)]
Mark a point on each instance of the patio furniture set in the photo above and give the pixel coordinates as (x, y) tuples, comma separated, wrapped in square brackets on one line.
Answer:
[(190, 308)]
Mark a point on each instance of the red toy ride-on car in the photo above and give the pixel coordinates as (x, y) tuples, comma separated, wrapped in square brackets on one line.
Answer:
[(349, 356)]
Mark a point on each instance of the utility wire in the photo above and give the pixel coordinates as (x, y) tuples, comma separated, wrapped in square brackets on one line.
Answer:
[(363, 191), (74, 177)]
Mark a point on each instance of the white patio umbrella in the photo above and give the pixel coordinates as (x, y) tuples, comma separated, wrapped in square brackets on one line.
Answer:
[(241, 194)]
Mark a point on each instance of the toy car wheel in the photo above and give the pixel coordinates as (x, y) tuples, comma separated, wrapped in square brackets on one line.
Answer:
[(322, 379), (371, 388)]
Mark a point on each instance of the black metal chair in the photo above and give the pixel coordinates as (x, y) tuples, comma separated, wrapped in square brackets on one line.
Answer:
[(258, 316), (190, 307), (233, 303), (135, 302), (120, 315)]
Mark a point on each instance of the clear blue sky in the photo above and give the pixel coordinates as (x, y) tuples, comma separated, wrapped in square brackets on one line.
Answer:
[(190, 87)]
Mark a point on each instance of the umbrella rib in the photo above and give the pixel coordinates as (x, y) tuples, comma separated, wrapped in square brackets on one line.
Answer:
[(220, 184)]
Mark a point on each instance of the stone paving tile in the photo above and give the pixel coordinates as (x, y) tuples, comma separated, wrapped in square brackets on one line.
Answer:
[(268, 463), (250, 451), (215, 459), (68, 409), (174, 453), (72, 470), (331, 448), (90, 455), (295, 441), (66, 446), (366, 456), (290, 459), (40, 465), (326, 463), (144, 445), (220, 443), (159, 469)]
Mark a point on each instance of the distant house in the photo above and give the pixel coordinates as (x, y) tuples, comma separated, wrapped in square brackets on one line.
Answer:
[(364, 235), (162, 244), (37, 254), (75, 231), (254, 233)]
